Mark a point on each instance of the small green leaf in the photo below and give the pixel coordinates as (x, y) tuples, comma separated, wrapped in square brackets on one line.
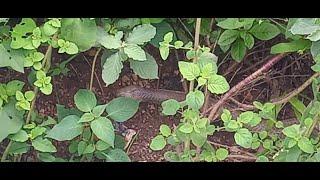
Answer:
[(20, 136), (228, 37), (81, 147), (168, 37), (86, 117), (43, 145), (117, 155), (292, 131), (14, 86), (170, 107), (101, 145), (164, 52), (198, 139), (165, 130), (158, 143), (186, 128), (262, 159), (221, 154), (85, 100), (218, 84), (265, 31), (135, 52), (29, 95), (243, 137), (305, 145), (98, 110), (112, 68), (89, 149), (104, 130), (195, 99), (238, 50), (248, 40), (263, 134), (37, 131), (189, 71)]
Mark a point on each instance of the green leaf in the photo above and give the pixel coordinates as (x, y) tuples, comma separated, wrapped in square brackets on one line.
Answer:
[(305, 145), (226, 115), (228, 37), (104, 130), (201, 123), (141, 34), (20, 136), (37, 131), (46, 157), (218, 84), (198, 139), (230, 23), (81, 147), (29, 95), (67, 129), (86, 117), (315, 36), (82, 32), (189, 71), (265, 31), (267, 144), (292, 131), (250, 118), (170, 107), (315, 49), (117, 155), (186, 128), (238, 50), (64, 112), (158, 143), (98, 110), (304, 26), (222, 154), (147, 69), (73, 147), (43, 145), (165, 130), (232, 125), (135, 52), (89, 149), (122, 108), (293, 46), (262, 158), (13, 58), (19, 148), (108, 41), (243, 137), (195, 99), (164, 52), (263, 134), (85, 100), (111, 69), (14, 86), (101, 145), (248, 40), (162, 29), (11, 120), (168, 37)]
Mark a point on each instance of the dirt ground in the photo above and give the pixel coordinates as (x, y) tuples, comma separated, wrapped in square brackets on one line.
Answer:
[(286, 75)]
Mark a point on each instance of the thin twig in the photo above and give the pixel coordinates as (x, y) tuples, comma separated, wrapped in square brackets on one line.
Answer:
[(93, 67), (196, 46), (6, 151)]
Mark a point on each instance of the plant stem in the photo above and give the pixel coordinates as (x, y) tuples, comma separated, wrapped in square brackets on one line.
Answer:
[(196, 46), (93, 67), (187, 145), (215, 108), (313, 125), (6, 151)]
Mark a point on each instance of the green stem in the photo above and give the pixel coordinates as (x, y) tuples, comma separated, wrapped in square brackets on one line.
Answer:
[(196, 46), (313, 125), (187, 145), (93, 67), (6, 151)]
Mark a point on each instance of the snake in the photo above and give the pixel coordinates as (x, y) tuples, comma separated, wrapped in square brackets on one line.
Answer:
[(157, 96)]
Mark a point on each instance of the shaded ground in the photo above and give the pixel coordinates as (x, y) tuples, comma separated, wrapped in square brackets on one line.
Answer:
[(284, 77)]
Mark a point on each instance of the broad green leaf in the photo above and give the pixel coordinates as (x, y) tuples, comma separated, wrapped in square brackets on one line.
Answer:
[(19, 148), (292, 131), (14, 86), (230, 23), (64, 112), (189, 71), (315, 36), (170, 107), (86, 117), (141, 34), (37, 131), (108, 41), (104, 130), (117, 155), (304, 26), (293, 46), (228, 37), (20, 136), (111, 69), (20, 39), (238, 50), (198, 139), (67, 129), (127, 23), (315, 49), (165, 130), (147, 69), (248, 40), (218, 84), (305, 145), (122, 108), (11, 120), (43, 145), (101, 145), (201, 123), (98, 110), (11, 58), (85, 100), (243, 137), (46, 157), (135, 52), (81, 147), (158, 143), (222, 154), (265, 31), (195, 99), (82, 32)]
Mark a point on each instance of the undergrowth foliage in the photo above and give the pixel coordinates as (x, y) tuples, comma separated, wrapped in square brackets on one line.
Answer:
[(26, 45)]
